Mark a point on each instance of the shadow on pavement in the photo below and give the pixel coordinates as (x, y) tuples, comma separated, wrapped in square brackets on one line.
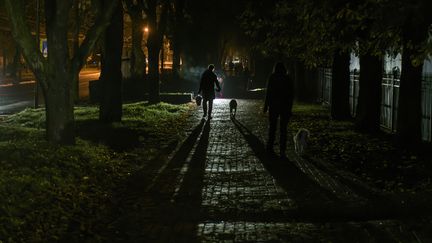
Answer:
[(155, 204), (318, 204), (306, 192), (188, 199)]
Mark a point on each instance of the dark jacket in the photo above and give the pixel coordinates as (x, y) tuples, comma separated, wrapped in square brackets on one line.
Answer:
[(279, 94), (208, 81)]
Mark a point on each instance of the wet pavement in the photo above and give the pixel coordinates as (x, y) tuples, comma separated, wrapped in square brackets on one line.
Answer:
[(220, 186)]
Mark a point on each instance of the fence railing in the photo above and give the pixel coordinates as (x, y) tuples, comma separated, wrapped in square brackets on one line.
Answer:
[(354, 89), (427, 107), (325, 76), (390, 97), (389, 101)]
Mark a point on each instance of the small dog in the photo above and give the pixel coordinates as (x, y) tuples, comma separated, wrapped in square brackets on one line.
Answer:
[(233, 107), (300, 140), (198, 100)]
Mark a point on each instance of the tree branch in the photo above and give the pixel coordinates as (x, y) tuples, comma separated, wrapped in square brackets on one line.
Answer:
[(25, 40), (94, 33), (163, 20)]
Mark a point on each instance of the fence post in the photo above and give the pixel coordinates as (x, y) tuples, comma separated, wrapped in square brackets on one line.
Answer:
[(354, 100), (393, 103)]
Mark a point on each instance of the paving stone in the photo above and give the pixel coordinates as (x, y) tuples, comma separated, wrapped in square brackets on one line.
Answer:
[(220, 186)]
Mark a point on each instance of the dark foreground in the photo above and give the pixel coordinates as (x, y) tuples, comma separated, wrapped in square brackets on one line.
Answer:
[(219, 185), (165, 175)]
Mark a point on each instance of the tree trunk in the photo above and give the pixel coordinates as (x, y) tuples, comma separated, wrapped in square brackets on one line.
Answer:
[(59, 90), (176, 57), (111, 77), (299, 81), (177, 36), (59, 108), (138, 64), (4, 61), (340, 108), (55, 74), (312, 85), (162, 59), (154, 43), (409, 117), (75, 79), (15, 67), (409, 107), (369, 100), (59, 99), (153, 75)]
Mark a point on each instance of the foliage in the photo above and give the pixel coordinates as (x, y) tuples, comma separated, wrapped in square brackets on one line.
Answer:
[(314, 30), (53, 193), (211, 30), (56, 73)]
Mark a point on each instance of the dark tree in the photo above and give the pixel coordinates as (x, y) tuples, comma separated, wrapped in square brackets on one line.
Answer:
[(111, 76), (178, 34), (15, 66), (417, 21), (311, 33), (157, 21), (340, 108), (55, 74), (374, 38), (369, 99), (135, 9), (212, 28)]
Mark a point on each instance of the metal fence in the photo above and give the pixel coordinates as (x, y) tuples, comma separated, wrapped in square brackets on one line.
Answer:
[(354, 91), (325, 80), (389, 100), (390, 97), (427, 107)]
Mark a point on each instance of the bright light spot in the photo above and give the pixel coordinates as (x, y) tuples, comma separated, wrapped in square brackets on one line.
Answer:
[(146, 29), (218, 101)]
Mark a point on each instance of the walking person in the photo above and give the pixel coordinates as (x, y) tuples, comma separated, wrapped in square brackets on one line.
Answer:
[(206, 88), (246, 78), (279, 101)]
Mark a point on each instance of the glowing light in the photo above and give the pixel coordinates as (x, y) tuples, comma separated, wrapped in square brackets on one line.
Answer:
[(146, 29)]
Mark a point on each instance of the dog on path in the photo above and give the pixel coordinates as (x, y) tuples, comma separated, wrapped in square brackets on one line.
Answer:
[(233, 107), (198, 100), (300, 140)]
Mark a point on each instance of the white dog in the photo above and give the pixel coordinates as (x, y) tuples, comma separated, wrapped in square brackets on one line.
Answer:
[(233, 107), (300, 140)]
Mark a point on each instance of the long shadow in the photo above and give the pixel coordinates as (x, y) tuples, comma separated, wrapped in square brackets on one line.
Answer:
[(313, 201), (146, 211), (311, 198), (188, 199), (117, 138), (287, 175), (191, 187)]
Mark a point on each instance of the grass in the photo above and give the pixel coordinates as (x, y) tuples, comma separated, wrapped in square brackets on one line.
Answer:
[(53, 193), (376, 159), (64, 193)]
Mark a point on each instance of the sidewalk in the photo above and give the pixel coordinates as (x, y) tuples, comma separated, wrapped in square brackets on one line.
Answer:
[(25, 76), (219, 185), (28, 76)]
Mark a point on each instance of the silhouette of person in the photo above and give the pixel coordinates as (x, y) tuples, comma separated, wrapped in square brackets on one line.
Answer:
[(279, 102), (231, 67), (246, 77), (208, 80)]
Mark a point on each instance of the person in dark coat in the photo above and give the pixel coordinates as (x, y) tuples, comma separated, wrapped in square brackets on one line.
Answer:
[(206, 88), (279, 101)]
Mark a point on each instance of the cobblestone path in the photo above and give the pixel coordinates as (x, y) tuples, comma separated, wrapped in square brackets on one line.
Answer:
[(220, 186)]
